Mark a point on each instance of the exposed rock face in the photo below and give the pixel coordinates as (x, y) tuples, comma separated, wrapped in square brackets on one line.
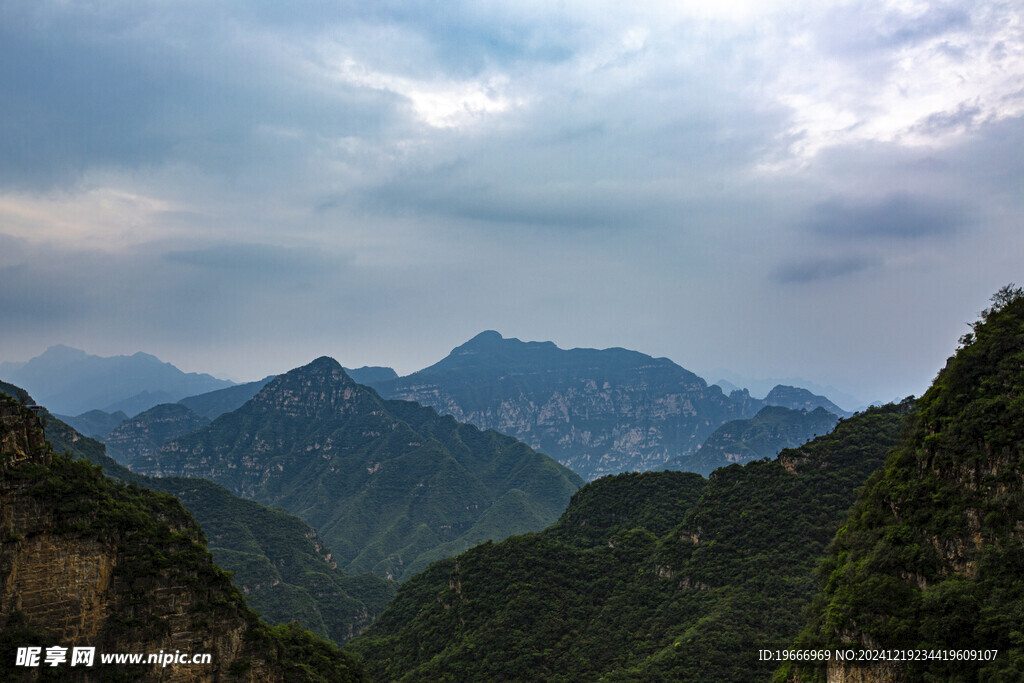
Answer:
[(596, 412), (145, 433), (851, 672), (21, 437), (87, 562)]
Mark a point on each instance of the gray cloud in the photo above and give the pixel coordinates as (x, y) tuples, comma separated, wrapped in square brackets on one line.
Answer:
[(816, 270), (898, 216)]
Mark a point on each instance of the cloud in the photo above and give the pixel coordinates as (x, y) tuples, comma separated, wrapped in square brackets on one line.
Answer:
[(206, 176), (817, 270), (896, 216)]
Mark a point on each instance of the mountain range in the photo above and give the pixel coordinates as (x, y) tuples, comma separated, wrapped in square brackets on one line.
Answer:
[(389, 485), (595, 411), (70, 381)]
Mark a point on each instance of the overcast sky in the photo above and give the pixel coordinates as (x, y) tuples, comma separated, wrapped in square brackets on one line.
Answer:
[(774, 188)]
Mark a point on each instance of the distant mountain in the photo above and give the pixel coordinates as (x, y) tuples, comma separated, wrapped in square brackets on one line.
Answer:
[(761, 387), (145, 433), (86, 560), (70, 382), (283, 568), (657, 576), (727, 387), (95, 423), (762, 436), (144, 400), (213, 404), (389, 485), (595, 411), (798, 398), (368, 374)]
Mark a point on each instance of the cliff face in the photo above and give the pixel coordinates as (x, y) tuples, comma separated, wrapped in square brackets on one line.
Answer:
[(144, 434), (85, 561)]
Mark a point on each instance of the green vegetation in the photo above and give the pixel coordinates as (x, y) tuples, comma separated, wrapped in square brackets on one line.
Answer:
[(930, 557), (279, 563), (653, 576), (389, 485)]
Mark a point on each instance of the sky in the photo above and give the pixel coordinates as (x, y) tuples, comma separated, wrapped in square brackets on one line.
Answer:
[(830, 191)]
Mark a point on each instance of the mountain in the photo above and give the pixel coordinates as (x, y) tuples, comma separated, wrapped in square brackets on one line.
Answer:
[(761, 387), (368, 374), (797, 398), (213, 404), (656, 576), (281, 565), (95, 423), (762, 436), (595, 411), (929, 559), (145, 433), (69, 381), (389, 485), (85, 561)]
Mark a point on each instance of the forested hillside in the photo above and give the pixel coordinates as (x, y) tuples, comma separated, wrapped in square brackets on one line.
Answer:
[(653, 576), (930, 557)]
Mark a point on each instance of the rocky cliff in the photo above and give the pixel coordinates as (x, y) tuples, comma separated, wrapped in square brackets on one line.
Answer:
[(88, 562), (145, 433)]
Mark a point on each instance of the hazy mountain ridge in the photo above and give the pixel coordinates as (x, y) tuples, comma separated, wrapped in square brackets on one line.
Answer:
[(95, 424), (385, 483), (773, 429), (70, 382), (144, 434)]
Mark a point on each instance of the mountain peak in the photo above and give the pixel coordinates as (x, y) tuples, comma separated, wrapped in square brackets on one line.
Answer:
[(62, 353), (314, 390), (486, 339)]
